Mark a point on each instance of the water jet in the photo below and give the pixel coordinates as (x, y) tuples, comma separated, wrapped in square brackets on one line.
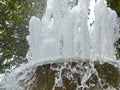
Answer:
[(71, 48)]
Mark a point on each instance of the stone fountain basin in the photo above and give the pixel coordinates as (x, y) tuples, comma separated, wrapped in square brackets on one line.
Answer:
[(69, 74)]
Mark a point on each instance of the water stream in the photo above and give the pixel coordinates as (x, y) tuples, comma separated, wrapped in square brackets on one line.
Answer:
[(82, 29)]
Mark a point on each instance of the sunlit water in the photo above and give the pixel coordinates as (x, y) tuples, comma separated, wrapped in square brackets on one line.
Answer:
[(69, 29)]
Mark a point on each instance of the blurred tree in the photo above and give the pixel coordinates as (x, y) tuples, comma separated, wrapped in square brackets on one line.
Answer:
[(115, 5), (14, 19)]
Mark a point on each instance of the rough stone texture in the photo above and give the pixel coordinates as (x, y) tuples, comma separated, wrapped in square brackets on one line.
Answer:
[(109, 74), (46, 74), (45, 78)]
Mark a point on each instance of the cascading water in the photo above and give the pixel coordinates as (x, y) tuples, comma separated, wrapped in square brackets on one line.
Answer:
[(83, 29)]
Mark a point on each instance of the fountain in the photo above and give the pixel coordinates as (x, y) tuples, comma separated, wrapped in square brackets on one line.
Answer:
[(73, 45), (67, 32)]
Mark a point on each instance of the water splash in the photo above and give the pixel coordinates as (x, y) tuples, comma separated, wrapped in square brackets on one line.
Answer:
[(69, 29), (67, 32)]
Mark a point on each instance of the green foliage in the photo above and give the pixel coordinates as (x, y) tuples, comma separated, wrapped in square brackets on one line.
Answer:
[(117, 44), (115, 5), (14, 19)]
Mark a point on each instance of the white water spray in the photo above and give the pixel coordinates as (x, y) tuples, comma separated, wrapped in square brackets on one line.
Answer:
[(65, 31), (68, 30)]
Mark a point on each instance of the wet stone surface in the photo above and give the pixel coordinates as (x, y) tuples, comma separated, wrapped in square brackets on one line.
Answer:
[(77, 76)]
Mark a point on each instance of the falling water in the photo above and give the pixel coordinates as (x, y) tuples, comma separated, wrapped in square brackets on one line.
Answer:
[(83, 29)]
